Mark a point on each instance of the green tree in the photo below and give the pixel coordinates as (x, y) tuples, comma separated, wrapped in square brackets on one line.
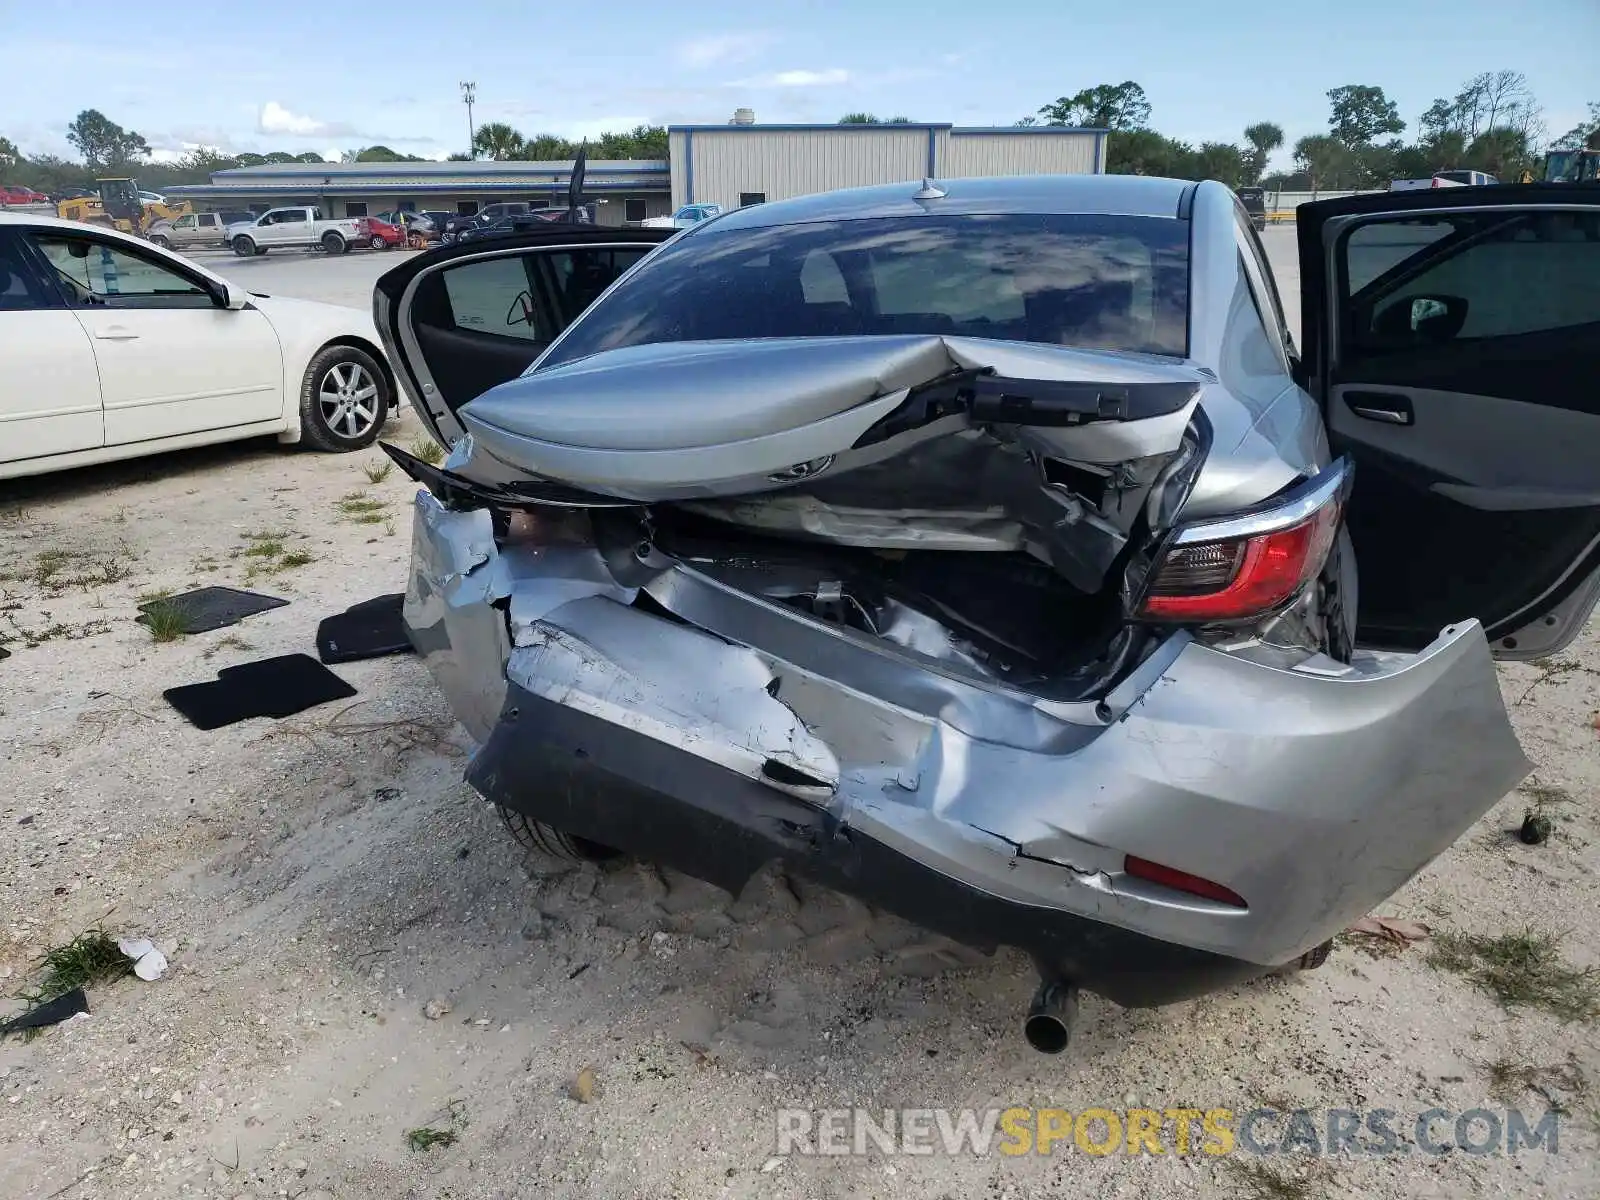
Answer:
[(383, 154), (1263, 137), (549, 147), (642, 141), (859, 118), (498, 141), (51, 174), (1503, 153), (279, 156), (1585, 133), (1361, 114), (10, 156), (1326, 161), (310, 156), (1116, 106), (1221, 161), (103, 143)]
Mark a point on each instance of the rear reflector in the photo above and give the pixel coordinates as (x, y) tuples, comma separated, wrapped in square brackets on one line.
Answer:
[(1181, 881), (1241, 577)]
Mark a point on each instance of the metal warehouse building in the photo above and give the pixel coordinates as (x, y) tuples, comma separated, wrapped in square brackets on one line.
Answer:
[(733, 165), (630, 190), (744, 163)]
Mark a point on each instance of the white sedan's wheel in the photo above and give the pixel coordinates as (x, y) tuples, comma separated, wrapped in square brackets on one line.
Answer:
[(344, 400)]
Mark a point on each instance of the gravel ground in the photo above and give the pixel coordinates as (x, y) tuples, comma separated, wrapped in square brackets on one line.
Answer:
[(359, 950)]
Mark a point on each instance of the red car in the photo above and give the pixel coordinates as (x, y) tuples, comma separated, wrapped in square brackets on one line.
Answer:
[(17, 194), (385, 234)]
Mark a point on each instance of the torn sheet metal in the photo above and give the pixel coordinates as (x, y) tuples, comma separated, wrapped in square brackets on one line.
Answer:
[(677, 685), (686, 420)]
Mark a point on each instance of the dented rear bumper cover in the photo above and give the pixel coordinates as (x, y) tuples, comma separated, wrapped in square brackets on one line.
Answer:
[(743, 733)]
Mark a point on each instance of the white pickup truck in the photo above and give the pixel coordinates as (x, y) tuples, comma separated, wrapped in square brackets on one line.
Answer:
[(281, 228), (687, 215)]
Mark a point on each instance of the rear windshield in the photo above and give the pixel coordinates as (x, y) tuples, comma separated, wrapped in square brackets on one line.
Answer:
[(1097, 282)]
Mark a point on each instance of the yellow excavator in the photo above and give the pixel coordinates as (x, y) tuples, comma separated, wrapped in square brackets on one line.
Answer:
[(1572, 166), (119, 206)]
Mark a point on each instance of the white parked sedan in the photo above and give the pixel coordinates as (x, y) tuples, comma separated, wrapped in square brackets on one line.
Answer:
[(113, 348)]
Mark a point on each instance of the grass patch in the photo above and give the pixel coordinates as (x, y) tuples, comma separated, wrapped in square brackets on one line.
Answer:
[(295, 558), (427, 1137), (1258, 1181), (232, 642), (1510, 1080), (90, 958), (428, 450), (1521, 970), (151, 597), (377, 472), (13, 632), (360, 509), (56, 572), (388, 528), (266, 548), (165, 621)]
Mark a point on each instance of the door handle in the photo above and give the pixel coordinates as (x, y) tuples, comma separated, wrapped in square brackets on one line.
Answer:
[(1389, 407), (115, 333)]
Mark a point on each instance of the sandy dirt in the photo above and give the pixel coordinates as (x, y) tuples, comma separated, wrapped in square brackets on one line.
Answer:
[(324, 883)]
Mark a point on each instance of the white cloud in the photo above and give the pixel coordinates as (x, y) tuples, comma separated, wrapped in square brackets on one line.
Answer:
[(797, 79), (275, 118), (715, 48)]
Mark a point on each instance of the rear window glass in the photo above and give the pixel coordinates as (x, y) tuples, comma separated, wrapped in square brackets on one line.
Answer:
[(1097, 282)]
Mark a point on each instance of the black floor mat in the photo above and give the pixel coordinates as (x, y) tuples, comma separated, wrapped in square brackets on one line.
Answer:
[(273, 687), (208, 608), (370, 629)]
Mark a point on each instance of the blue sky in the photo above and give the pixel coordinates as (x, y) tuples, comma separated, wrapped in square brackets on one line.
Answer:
[(314, 76)]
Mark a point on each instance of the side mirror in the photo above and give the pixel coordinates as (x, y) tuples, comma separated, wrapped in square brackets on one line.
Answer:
[(230, 296), (1421, 319)]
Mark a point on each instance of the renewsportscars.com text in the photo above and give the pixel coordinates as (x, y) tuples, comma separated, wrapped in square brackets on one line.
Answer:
[(1135, 1131)]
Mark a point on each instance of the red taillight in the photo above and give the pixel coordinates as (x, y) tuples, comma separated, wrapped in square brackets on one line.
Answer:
[(1181, 881), (1233, 569)]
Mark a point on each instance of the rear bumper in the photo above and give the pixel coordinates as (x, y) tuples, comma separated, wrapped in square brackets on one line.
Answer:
[(743, 732)]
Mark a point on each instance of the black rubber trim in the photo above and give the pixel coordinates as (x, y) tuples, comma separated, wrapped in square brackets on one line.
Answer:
[(985, 398), (611, 785)]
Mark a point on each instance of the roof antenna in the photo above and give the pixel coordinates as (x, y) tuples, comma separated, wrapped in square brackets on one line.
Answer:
[(930, 191)]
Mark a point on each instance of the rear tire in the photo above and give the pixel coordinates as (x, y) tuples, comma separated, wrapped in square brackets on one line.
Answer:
[(333, 243), (547, 839), (344, 400), (160, 240), (245, 246)]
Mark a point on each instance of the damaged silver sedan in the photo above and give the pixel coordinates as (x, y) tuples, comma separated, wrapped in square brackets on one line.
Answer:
[(987, 550)]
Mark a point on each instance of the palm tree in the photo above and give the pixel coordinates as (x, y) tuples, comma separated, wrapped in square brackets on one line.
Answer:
[(498, 140), (1264, 137)]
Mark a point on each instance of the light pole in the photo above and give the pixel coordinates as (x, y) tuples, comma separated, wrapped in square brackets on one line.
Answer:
[(469, 92)]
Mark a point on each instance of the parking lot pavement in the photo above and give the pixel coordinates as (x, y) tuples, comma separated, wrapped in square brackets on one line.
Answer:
[(307, 275), (359, 953)]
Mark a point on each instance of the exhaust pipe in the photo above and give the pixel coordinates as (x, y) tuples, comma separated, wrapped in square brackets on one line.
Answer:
[(1048, 1027)]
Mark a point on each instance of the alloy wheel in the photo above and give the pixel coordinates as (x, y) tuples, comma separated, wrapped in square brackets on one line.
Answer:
[(348, 397)]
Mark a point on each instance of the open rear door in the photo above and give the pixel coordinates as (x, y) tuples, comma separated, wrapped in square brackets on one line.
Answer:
[(1453, 338), (460, 319)]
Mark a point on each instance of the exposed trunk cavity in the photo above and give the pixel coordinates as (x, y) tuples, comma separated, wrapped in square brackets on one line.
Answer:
[(968, 501)]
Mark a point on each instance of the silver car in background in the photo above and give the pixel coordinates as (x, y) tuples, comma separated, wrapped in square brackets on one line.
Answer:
[(987, 550)]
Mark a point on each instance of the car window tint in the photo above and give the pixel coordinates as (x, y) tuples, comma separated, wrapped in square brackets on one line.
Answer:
[(1377, 248), (940, 285), (821, 281), (1516, 274), (19, 288), (1099, 282), (97, 273), (493, 295)]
